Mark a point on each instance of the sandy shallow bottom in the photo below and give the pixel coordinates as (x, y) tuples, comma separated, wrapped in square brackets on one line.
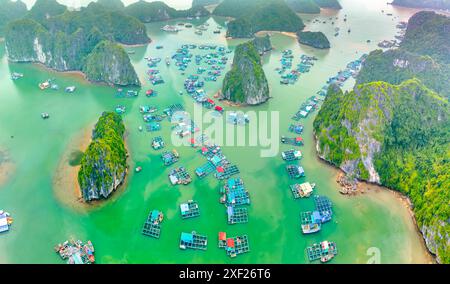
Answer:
[(7, 167)]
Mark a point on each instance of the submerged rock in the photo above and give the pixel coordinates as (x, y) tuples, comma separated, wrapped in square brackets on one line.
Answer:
[(104, 164), (246, 82)]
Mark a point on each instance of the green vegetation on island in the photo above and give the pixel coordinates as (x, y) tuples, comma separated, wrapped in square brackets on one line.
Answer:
[(262, 44), (156, 11), (109, 63), (433, 4), (45, 9), (104, 164), (424, 54), (272, 15), (111, 4), (397, 133), (330, 4), (10, 11), (204, 2), (64, 42), (246, 82), (304, 6), (314, 39)]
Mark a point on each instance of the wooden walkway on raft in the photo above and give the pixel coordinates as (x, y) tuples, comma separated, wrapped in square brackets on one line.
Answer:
[(241, 246)]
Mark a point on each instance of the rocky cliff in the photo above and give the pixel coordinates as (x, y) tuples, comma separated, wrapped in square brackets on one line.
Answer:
[(246, 82), (397, 136), (64, 42), (262, 44), (109, 63), (104, 164), (314, 39)]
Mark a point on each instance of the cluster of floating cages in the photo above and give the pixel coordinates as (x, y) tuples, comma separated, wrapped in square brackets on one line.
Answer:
[(204, 170), (170, 158), (295, 171), (153, 126), (172, 109), (325, 251), (311, 221), (302, 190), (76, 252), (193, 241), (291, 155), (179, 176), (294, 141), (296, 128), (127, 94), (189, 209), (234, 193), (324, 206), (158, 143), (306, 108), (234, 246), (237, 215), (152, 226)]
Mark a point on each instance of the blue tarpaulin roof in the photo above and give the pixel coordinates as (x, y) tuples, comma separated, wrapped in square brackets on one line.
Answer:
[(188, 238)]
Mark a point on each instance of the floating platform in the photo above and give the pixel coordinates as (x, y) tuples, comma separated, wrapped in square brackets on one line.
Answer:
[(76, 252), (296, 128), (324, 206), (5, 221), (179, 176), (324, 251), (302, 190), (291, 155), (311, 222), (234, 193), (227, 172), (152, 226), (237, 215), (295, 171), (237, 245), (205, 170), (294, 141), (189, 209), (193, 241), (153, 126), (170, 110), (170, 158), (158, 143)]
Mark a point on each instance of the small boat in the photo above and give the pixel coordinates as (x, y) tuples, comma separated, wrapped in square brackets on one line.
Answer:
[(45, 115), (138, 169), (159, 47), (15, 75), (70, 89), (326, 258), (140, 128), (44, 85), (216, 31)]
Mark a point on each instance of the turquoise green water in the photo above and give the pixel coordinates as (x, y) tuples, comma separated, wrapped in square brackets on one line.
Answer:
[(36, 147)]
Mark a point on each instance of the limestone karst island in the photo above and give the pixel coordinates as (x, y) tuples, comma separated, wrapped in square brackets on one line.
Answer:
[(225, 132)]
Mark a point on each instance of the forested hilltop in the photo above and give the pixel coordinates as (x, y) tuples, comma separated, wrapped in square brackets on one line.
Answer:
[(258, 15), (393, 128), (433, 4), (10, 11), (62, 39)]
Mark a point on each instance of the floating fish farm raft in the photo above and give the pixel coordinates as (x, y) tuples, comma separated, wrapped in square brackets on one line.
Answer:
[(170, 158), (153, 126), (237, 215), (170, 110), (205, 170), (193, 241), (291, 155), (75, 252), (296, 141), (234, 246), (189, 209), (222, 167), (324, 206), (295, 171), (158, 143), (302, 190), (234, 193), (152, 226), (323, 251), (310, 222), (296, 128), (5, 221), (179, 176)]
